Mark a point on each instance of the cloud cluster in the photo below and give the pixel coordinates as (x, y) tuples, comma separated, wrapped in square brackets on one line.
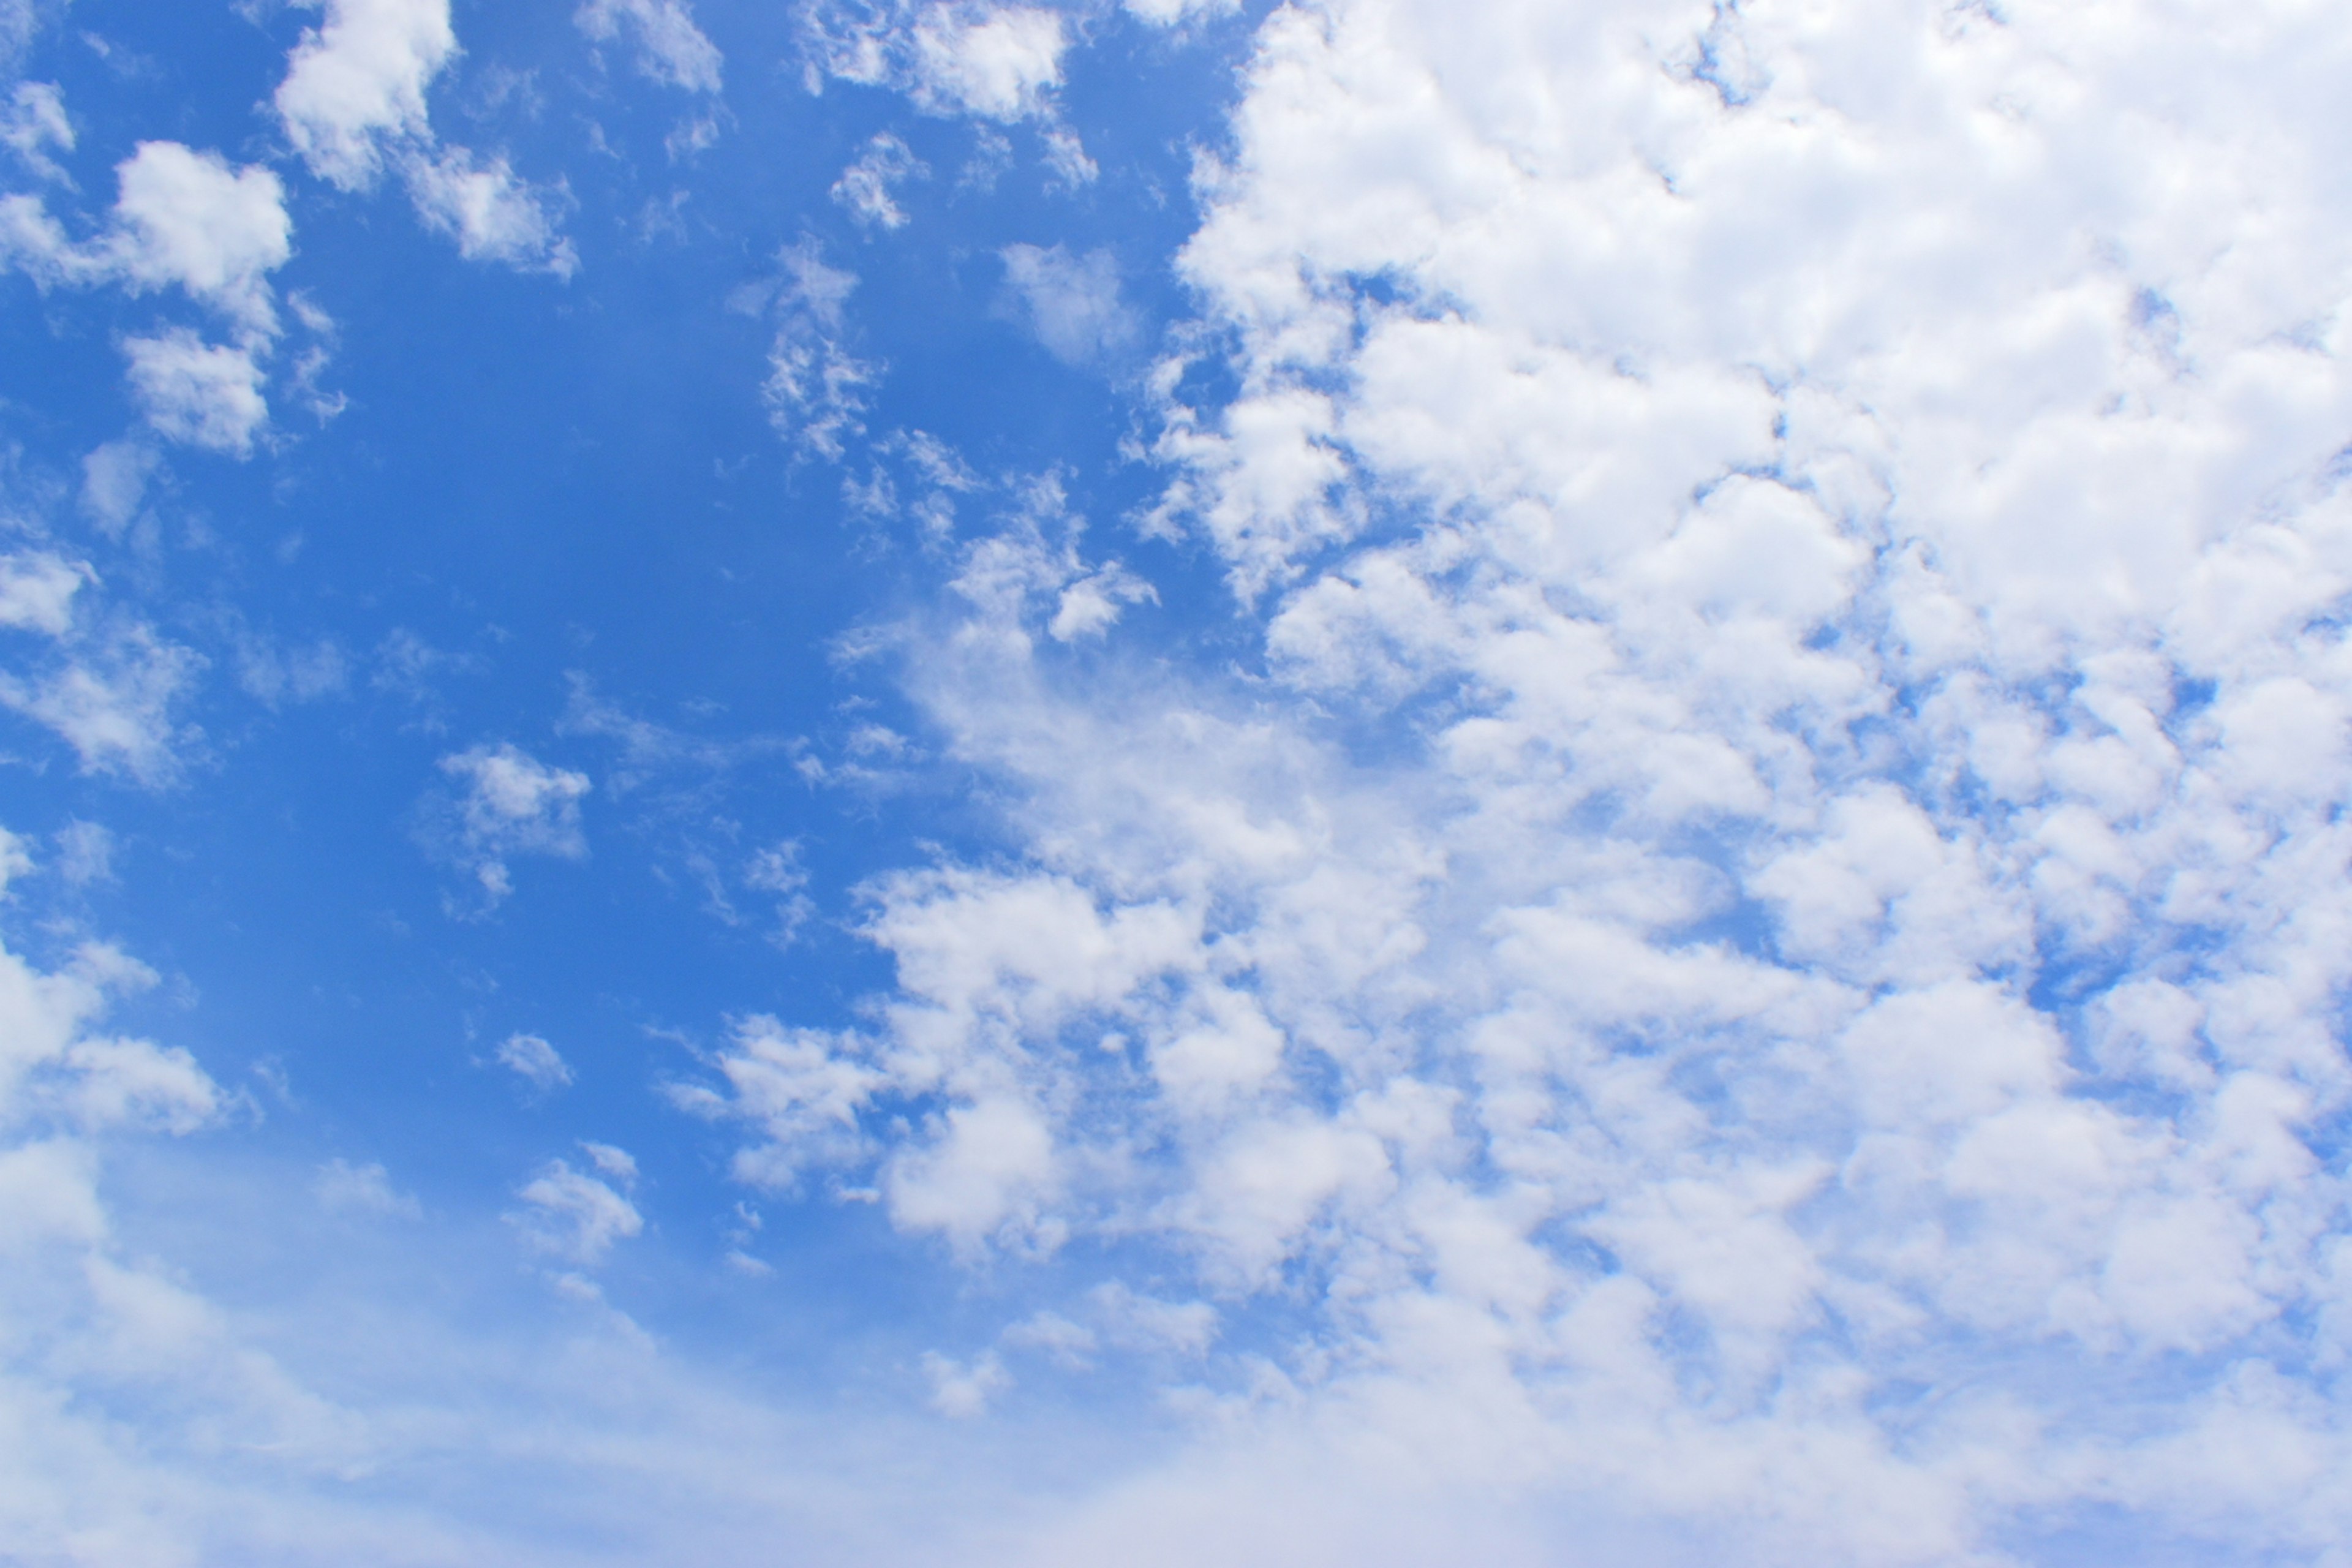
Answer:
[(353, 105), (670, 48), (1771, 925), (993, 62), (183, 220)]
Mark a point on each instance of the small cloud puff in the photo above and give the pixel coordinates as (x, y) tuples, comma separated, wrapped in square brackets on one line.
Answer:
[(572, 1215), (513, 804), (1001, 63), (865, 187), (535, 1061), (1071, 302)]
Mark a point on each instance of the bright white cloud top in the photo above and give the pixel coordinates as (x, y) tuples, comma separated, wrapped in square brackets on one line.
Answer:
[(1566, 783)]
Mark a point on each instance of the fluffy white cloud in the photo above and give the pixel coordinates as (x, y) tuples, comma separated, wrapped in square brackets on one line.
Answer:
[(1837, 554), (183, 218), (999, 62), (205, 394), (187, 219), (513, 804), (36, 590), (354, 86), (670, 48), (352, 103)]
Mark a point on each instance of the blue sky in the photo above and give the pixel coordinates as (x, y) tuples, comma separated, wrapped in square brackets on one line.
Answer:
[(1001, 783)]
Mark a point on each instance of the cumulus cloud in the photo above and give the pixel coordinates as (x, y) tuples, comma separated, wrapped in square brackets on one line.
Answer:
[(37, 589), (200, 393), (114, 483), (512, 804), (1842, 564), (183, 218), (352, 103), (353, 93), (999, 62), (114, 698), (670, 48)]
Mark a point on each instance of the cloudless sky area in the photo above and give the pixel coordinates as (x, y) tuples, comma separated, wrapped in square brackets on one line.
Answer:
[(887, 781)]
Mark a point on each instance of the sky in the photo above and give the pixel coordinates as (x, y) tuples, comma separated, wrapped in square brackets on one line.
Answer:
[(1364, 784)]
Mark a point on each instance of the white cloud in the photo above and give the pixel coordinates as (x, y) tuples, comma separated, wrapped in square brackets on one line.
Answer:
[(490, 212), (1071, 302), (535, 1061), (114, 483), (85, 854), (1169, 13), (670, 48), (816, 389), (37, 589), (200, 393), (513, 804), (113, 698), (999, 62), (865, 187), (185, 217), (573, 1216), (353, 105), (1787, 847), (354, 86), (33, 122), (1067, 160)]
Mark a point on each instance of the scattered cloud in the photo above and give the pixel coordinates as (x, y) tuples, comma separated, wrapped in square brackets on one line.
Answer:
[(492, 213), (537, 1063), (670, 48), (999, 62), (353, 94), (1071, 302), (816, 391), (512, 804), (574, 1218), (865, 187)]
